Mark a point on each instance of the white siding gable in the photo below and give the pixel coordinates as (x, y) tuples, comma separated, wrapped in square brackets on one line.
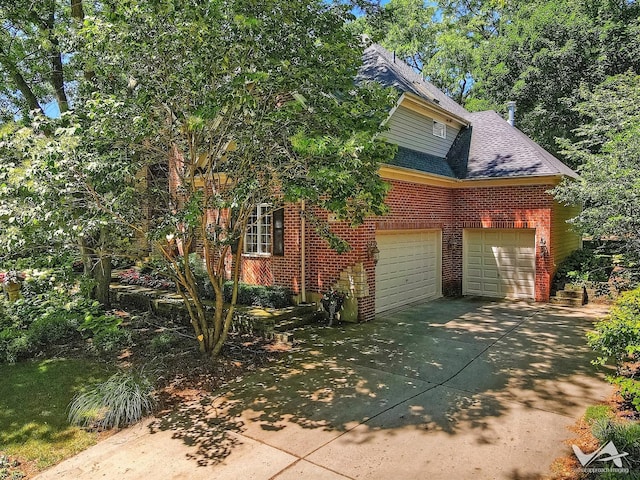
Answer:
[(411, 130)]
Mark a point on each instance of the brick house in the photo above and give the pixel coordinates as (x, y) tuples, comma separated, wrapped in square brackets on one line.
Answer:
[(469, 212)]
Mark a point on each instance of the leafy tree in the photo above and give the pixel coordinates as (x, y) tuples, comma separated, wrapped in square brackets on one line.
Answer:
[(427, 41), (42, 68), (543, 52), (35, 63), (484, 53), (608, 153), (55, 178), (247, 104)]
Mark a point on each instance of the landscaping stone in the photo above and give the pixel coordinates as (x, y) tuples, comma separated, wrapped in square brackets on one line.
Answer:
[(264, 322)]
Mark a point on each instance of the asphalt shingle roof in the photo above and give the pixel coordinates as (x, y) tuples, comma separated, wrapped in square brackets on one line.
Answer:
[(499, 150), (490, 148), (381, 66), (415, 160)]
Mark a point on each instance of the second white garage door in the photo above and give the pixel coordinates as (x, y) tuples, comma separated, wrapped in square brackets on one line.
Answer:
[(499, 263), (409, 268)]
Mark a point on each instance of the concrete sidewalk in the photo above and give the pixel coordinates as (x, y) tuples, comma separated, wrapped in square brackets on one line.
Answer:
[(460, 388)]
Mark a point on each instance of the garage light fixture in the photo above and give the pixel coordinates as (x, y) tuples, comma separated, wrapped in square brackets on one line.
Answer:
[(544, 250)]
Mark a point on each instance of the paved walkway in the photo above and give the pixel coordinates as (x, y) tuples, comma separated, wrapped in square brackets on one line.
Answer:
[(448, 389)]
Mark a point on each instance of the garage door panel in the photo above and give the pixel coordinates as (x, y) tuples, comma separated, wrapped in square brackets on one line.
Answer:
[(499, 263), (408, 267)]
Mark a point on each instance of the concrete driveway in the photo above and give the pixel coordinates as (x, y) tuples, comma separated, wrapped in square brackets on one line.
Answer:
[(461, 389)]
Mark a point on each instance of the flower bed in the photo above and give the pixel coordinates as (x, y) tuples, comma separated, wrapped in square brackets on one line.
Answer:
[(149, 280)]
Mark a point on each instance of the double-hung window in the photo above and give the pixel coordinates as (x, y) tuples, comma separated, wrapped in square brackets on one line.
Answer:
[(258, 238), (265, 231)]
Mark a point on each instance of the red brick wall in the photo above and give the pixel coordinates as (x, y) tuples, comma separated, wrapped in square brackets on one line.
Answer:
[(527, 206), (276, 270), (324, 265), (412, 206)]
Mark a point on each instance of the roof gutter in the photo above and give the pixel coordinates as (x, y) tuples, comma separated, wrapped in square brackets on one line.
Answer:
[(392, 172)]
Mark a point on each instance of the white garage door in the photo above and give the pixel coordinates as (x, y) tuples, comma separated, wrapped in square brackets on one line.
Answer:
[(499, 263), (408, 269)]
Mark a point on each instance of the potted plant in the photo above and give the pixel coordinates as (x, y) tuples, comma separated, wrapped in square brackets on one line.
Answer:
[(12, 283)]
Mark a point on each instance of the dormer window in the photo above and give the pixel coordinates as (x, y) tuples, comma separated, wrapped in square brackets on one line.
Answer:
[(439, 129)]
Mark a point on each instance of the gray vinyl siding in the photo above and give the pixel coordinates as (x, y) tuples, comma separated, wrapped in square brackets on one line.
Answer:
[(414, 131)]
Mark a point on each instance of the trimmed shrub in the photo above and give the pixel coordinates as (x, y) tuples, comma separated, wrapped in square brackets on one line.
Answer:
[(122, 400), (53, 330), (259, 295)]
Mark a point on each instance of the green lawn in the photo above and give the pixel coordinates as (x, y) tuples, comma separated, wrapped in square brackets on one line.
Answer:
[(33, 409)]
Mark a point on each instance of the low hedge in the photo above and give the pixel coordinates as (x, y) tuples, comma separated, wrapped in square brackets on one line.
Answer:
[(259, 295)]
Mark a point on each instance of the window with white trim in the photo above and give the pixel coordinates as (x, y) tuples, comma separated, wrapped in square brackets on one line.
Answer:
[(257, 240), (439, 129)]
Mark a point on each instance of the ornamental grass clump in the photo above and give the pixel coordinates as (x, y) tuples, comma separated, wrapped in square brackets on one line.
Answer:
[(124, 399)]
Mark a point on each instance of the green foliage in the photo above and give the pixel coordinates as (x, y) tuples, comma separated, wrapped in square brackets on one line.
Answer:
[(629, 388), (617, 337), (609, 154), (625, 436), (259, 295), (107, 336), (597, 413), (51, 330), (49, 316), (96, 323), (431, 40), (543, 52), (536, 53), (124, 399), (163, 342), (588, 264), (110, 341)]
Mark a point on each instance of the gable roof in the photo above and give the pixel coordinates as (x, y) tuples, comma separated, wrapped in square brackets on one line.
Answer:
[(382, 66), (489, 148)]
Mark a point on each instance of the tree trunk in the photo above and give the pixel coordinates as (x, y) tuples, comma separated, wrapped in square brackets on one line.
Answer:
[(102, 275), (57, 69), (77, 10), (85, 256)]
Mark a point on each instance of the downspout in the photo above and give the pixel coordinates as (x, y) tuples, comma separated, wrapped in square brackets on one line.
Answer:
[(303, 270)]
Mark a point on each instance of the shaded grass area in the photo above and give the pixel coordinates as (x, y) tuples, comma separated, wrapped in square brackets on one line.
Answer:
[(34, 397)]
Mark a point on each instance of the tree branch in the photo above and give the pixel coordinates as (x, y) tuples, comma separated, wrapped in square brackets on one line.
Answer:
[(20, 83)]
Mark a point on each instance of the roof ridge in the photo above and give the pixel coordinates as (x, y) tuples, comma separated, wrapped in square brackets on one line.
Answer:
[(421, 87)]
